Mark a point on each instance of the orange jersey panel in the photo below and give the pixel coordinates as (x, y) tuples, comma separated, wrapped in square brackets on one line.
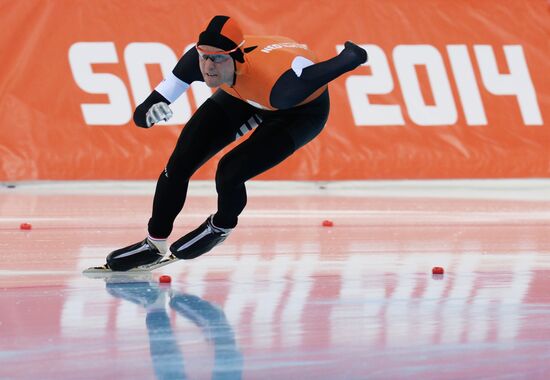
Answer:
[(264, 65)]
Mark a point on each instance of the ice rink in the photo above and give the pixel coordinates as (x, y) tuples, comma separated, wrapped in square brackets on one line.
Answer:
[(284, 297)]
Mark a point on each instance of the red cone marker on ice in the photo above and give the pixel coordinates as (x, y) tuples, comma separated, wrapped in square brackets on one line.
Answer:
[(327, 223), (25, 226), (165, 279), (438, 270)]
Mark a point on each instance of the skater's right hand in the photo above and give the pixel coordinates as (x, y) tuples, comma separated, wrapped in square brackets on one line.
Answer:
[(158, 112)]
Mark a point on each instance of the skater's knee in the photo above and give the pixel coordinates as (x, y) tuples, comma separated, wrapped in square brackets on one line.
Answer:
[(228, 174), (177, 173)]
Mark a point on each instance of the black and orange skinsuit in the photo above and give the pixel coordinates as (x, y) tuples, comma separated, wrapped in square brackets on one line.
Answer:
[(279, 93)]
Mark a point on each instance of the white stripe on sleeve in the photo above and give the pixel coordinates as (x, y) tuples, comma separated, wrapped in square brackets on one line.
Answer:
[(172, 87)]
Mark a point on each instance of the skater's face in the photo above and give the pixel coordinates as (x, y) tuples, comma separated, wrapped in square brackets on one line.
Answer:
[(215, 68)]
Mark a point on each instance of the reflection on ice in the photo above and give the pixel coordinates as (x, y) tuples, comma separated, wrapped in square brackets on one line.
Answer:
[(167, 358)]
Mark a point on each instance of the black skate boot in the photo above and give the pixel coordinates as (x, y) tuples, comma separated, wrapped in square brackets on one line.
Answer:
[(199, 241), (133, 256)]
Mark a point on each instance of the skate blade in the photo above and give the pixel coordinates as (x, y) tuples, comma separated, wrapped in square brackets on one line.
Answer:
[(103, 271)]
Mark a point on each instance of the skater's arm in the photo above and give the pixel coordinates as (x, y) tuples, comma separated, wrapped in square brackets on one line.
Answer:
[(306, 77), (176, 83)]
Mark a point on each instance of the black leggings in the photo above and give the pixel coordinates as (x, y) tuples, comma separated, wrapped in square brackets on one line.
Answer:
[(217, 123)]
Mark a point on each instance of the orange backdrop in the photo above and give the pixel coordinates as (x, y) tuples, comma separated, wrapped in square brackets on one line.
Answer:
[(452, 90)]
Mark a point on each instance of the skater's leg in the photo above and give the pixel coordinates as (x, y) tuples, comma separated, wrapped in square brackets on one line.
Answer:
[(273, 141), (295, 85), (205, 134)]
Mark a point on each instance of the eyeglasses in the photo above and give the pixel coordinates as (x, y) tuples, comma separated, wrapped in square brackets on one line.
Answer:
[(216, 56)]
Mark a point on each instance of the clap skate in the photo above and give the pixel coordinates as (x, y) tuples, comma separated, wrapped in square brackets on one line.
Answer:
[(140, 257), (200, 240)]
